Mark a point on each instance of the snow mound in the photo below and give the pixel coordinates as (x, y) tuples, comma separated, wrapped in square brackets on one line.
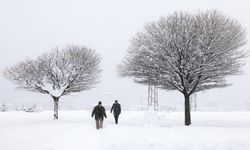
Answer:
[(151, 118)]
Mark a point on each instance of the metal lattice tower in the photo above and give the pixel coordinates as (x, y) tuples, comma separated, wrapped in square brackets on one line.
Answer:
[(153, 97)]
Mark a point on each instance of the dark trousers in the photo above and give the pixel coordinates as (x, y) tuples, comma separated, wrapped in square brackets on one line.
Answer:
[(116, 118), (99, 123)]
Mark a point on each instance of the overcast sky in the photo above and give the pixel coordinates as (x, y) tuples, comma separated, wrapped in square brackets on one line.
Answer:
[(29, 28)]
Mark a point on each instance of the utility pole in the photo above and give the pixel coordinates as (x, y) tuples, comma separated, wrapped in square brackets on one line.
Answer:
[(193, 102), (153, 97)]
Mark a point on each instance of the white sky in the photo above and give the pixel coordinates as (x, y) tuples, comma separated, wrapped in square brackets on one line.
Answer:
[(31, 27)]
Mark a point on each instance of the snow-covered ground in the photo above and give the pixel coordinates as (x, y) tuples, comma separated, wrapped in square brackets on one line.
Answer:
[(137, 130)]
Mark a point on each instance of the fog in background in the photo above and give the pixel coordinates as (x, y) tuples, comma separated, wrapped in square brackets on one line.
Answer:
[(29, 28)]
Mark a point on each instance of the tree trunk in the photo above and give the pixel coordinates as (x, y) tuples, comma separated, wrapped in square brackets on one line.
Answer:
[(56, 99), (187, 110)]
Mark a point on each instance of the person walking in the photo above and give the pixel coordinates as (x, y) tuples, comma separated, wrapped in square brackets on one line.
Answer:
[(116, 109), (99, 113)]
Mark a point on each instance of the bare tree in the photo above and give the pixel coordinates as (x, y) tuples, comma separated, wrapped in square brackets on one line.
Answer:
[(186, 52), (73, 69)]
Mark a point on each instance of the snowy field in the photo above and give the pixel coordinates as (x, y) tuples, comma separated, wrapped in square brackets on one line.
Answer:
[(75, 130)]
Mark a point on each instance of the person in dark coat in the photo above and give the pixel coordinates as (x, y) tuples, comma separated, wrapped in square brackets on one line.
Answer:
[(116, 109), (99, 113)]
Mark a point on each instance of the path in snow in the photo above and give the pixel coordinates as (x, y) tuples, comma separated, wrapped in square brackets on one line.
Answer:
[(75, 130)]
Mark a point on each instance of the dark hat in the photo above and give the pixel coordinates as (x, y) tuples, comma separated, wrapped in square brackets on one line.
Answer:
[(116, 101), (99, 102)]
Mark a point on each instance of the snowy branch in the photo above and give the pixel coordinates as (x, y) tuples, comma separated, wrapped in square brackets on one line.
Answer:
[(73, 69), (186, 52)]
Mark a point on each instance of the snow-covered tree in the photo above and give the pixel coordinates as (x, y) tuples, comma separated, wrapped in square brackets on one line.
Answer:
[(186, 52), (58, 73)]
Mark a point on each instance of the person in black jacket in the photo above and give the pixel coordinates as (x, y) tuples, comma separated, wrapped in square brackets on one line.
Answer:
[(116, 109), (100, 113)]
